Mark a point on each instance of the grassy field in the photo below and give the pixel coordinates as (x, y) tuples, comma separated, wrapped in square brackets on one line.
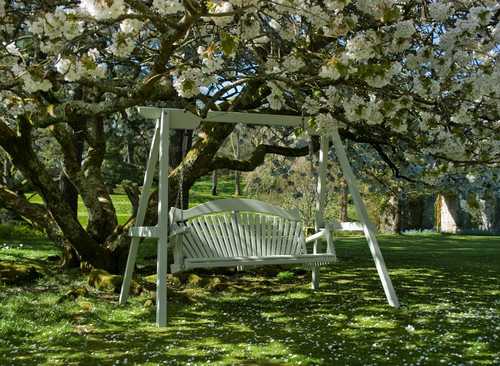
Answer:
[(449, 287)]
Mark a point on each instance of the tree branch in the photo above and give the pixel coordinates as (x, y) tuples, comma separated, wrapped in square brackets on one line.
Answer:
[(258, 156)]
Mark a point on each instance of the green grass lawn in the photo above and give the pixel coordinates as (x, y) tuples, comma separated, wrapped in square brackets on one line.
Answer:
[(449, 287)]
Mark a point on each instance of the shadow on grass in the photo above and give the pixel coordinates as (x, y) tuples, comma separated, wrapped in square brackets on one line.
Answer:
[(450, 315)]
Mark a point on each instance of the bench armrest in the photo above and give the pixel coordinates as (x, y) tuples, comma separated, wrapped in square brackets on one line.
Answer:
[(179, 231), (320, 234)]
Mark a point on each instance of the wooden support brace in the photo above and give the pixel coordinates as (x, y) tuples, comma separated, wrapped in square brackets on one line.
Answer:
[(163, 223), (141, 214), (363, 216)]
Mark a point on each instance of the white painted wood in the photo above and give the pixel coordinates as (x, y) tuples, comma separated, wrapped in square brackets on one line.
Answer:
[(183, 119), (222, 233), (273, 240), (316, 236), (235, 204), (345, 226), (192, 263), (320, 202), (330, 243), (144, 232), (252, 233), (141, 214), (236, 233), (254, 118), (244, 235), (363, 215), (163, 213), (259, 236), (179, 118), (204, 249)]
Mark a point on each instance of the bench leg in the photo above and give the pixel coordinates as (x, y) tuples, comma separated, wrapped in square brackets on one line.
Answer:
[(315, 270), (315, 278)]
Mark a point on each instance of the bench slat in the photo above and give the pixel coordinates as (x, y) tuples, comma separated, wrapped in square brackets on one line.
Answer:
[(191, 263)]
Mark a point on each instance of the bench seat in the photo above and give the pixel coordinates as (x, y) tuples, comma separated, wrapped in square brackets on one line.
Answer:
[(314, 259)]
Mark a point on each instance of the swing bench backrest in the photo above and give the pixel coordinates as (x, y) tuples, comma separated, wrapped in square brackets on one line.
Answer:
[(233, 228)]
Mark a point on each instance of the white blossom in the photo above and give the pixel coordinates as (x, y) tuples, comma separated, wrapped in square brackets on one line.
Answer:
[(410, 328), (2, 8), (130, 25), (439, 10), (275, 99), (274, 25), (32, 85), (360, 48), (109, 9), (329, 71), (122, 45), (293, 63), (167, 7), (13, 50), (221, 8), (188, 82)]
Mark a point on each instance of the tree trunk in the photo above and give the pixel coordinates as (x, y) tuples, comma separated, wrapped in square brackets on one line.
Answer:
[(496, 220), (25, 159), (391, 215), (214, 182)]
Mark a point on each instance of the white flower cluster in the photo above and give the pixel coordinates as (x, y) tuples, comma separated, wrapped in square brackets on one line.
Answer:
[(221, 8), (56, 25), (103, 9), (131, 25), (13, 50), (439, 10), (375, 8), (358, 109), (188, 82), (329, 71), (276, 99), (360, 47), (381, 80), (123, 45), (86, 67), (32, 84), (250, 27), (292, 63), (167, 7), (210, 61), (340, 25)]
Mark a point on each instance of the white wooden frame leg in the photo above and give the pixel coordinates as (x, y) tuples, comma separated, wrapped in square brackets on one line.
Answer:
[(330, 243), (320, 202), (163, 223), (141, 214), (315, 270), (363, 216)]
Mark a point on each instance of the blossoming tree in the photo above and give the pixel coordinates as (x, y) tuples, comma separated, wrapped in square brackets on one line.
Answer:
[(418, 81)]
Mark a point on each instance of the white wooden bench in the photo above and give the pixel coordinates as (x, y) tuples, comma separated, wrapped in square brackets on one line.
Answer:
[(243, 232)]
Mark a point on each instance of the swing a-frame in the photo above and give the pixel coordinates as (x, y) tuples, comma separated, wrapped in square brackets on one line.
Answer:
[(239, 232)]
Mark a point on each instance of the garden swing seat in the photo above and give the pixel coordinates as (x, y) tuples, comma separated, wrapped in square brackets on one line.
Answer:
[(243, 232), (238, 232)]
